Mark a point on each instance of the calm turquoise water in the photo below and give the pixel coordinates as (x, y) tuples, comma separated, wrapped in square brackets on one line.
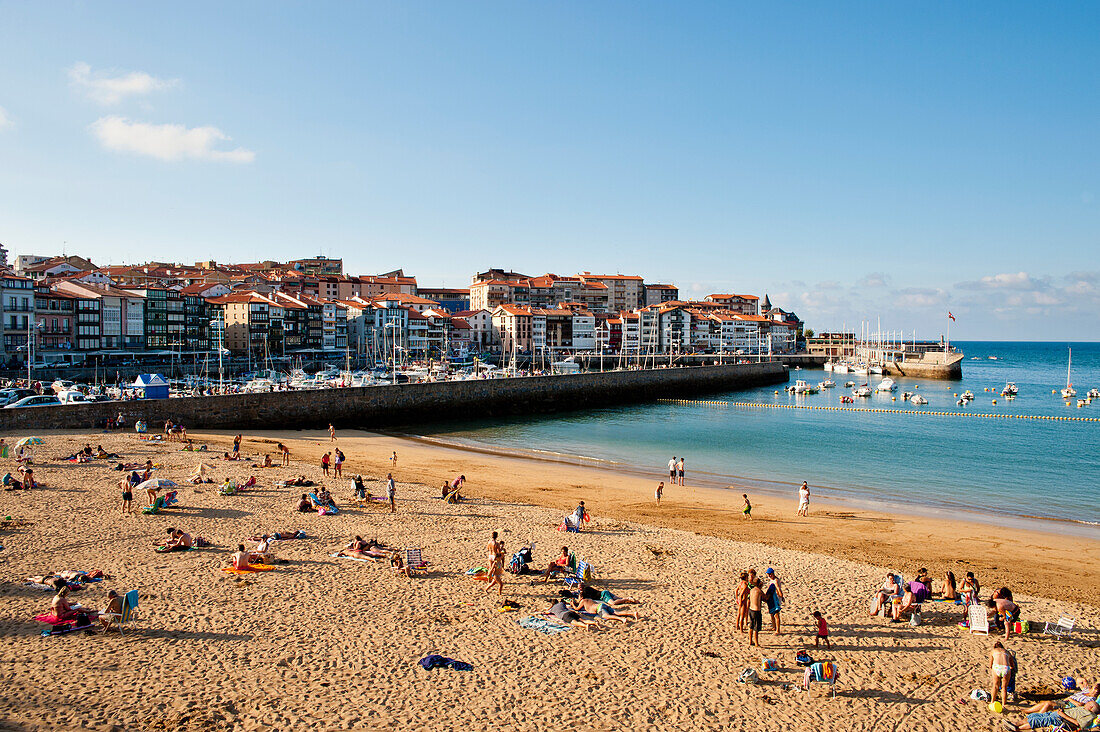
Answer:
[(1006, 467)]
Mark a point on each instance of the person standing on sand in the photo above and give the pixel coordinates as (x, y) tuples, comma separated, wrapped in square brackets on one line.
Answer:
[(774, 597), (285, 452), (741, 597), (747, 508), (672, 471), (756, 615), (680, 472), (999, 669), (657, 493), (393, 459), (496, 568), (391, 492), (237, 445), (331, 433), (325, 460), (338, 466), (127, 495), (803, 499)]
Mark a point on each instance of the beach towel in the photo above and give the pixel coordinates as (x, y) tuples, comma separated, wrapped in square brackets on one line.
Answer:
[(251, 568), (825, 671), (436, 661), (542, 625)]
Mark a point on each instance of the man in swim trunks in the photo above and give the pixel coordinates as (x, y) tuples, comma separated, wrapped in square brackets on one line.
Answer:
[(1050, 714), (774, 597), (601, 609), (756, 615)]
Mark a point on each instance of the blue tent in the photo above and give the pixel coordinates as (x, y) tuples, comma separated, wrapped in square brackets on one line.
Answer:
[(155, 386)]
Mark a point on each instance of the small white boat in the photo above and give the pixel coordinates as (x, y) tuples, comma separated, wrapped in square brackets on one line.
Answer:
[(887, 385), (259, 386), (565, 366), (1069, 392), (917, 399), (827, 384), (906, 396), (849, 384), (801, 387), (1010, 389), (860, 369), (863, 391), (1081, 403), (874, 369), (967, 396), (841, 368), (828, 366), (1094, 394)]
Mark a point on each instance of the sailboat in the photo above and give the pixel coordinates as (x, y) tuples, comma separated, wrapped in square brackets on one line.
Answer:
[(1069, 392)]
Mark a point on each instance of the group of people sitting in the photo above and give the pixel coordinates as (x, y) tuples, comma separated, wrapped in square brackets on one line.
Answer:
[(180, 540), (25, 481), (63, 611), (322, 502), (451, 488), (896, 599)]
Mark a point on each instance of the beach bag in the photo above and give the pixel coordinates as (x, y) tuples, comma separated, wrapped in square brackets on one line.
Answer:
[(769, 664), (803, 659), (1024, 626), (979, 695), (914, 619), (748, 676)]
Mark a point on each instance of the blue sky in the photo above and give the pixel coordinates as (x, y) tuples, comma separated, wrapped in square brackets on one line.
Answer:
[(853, 161)]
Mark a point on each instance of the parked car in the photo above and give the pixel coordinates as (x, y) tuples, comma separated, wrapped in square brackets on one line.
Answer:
[(61, 385), (43, 400), (10, 396), (72, 396)]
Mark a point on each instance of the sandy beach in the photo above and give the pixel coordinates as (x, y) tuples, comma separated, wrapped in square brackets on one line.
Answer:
[(331, 643)]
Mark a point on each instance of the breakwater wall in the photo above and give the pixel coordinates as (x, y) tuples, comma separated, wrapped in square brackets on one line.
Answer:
[(403, 404)]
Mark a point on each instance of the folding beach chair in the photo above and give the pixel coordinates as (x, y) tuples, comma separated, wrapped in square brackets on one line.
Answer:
[(129, 610), (1061, 629), (414, 561), (977, 619), (823, 671), (585, 573)]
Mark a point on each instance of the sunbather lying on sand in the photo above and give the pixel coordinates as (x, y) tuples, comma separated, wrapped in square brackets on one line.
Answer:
[(567, 615), (358, 548), (1052, 714), (605, 596), (601, 609)]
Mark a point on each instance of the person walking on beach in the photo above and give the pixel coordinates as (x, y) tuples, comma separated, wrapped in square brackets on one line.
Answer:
[(237, 445), (672, 471), (338, 465), (391, 492), (657, 493), (680, 472), (822, 631), (331, 433), (756, 615), (325, 460), (284, 451), (774, 597), (747, 508), (496, 568), (803, 499)]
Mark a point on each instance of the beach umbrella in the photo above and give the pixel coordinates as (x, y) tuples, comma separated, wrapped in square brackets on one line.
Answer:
[(28, 441), (155, 483)]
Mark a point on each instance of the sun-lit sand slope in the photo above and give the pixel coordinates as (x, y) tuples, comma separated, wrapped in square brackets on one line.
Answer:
[(328, 643)]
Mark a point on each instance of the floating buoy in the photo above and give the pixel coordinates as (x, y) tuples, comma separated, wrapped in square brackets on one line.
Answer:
[(994, 401)]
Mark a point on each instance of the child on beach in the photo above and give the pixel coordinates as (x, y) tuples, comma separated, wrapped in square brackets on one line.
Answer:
[(657, 493), (331, 432), (393, 459), (747, 508), (822, 630)]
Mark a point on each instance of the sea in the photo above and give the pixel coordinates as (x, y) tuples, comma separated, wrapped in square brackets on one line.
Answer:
[(1004, 471)]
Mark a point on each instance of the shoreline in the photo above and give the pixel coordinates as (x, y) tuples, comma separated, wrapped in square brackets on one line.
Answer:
[(1027, 560), (1042, 524)]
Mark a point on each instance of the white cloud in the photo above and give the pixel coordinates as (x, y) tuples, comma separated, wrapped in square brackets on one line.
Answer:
[(168, 141), (106, 89), (5, 120), (1005, 281)]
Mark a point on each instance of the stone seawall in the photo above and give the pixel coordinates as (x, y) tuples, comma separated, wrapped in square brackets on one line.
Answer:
[(383, 406)]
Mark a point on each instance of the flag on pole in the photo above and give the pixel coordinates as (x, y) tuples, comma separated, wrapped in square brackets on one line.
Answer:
[(950, 315)]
